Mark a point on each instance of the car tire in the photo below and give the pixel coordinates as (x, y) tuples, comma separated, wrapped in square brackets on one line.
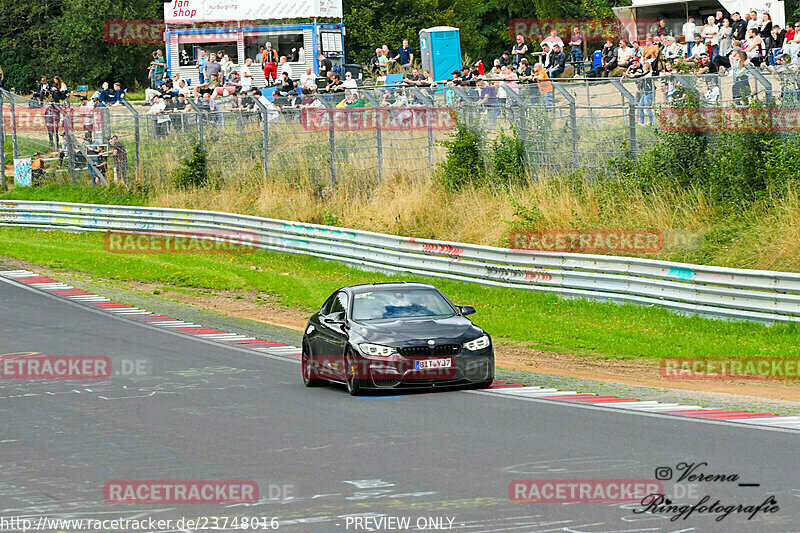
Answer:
[(351, 375), (310, 378)]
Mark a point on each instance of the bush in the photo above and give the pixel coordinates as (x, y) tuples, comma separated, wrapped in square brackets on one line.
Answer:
[(464, 164), (508, 159), (193, 171)]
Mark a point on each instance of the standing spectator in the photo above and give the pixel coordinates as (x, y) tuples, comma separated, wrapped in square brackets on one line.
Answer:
[(286, 68), (51, 120), (374, 64), (479, 66), (688, 30), (488, 98), (119, 156), (778, 36), (95, 162), (741, 80), (325, 66), (228, 68), (559, 62), (159, 68), (718, 16), (739, 27), (543, 82), (270, 63), (383, 62), (709, 35), (553, 38), (213, 68), (245, 76), (725, 44), (644, 86), (765, 31), (201, 66), (576, 46), (519, 51), (405, 56), (753, 21)]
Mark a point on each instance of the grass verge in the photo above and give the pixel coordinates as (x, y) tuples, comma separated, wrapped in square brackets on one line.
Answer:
[(539, 320)]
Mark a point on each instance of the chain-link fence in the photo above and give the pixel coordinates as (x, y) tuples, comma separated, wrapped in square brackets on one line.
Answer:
[(366, 134)]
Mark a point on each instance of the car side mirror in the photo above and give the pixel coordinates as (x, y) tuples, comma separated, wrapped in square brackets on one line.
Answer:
[(466, 310), (335, 318)]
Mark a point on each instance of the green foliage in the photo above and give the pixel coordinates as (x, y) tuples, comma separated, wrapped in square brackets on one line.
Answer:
[(464, 164), (508, 159), (114, 194), (193, 171)]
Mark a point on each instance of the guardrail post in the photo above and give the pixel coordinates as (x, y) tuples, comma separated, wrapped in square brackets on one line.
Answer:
[(2, 145), (763, 81), (332, 146), (631, 113), (573, 121)]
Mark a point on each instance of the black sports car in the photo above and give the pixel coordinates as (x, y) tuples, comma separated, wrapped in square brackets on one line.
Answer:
[(395, 335)]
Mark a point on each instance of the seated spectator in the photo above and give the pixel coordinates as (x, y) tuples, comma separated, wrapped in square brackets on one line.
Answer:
[(525, 72), (400, 99), (415, 78), (375, 64), (712, 94), (335, 85), (349, 82), (117, 95), (697, 49), (293, 100), (625, 54), (705, 65), (60, 89), (96, 102), (547, 56), (754, 47), (231, 86), (43, 89), (671, 50), (207, 87), (429, 81), (308, 80), (559, 62), (309, 100), (545, 87), (161, 91), (479, 67), (505, 59), (182, 89)]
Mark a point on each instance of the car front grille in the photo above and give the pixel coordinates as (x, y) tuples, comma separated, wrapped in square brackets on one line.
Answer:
[(428, 351)]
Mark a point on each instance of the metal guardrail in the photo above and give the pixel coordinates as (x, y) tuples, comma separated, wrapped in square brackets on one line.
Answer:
[(707, 290)]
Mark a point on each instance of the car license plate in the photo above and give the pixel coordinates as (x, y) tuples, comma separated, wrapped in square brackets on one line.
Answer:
[(432, 363)]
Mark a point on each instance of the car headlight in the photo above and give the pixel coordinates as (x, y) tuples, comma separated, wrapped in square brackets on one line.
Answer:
[(478, 344), (376, 349)]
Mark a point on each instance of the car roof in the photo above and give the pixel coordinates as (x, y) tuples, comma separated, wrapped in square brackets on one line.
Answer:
[(386, 286)]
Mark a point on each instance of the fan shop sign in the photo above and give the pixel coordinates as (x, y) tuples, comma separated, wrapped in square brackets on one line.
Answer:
[(357, 119)]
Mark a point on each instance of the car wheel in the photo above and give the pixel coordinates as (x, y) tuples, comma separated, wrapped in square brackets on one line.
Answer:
[(351, 374), (310, 378)]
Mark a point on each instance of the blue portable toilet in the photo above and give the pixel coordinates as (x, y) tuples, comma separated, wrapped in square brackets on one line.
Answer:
[(440, 49)]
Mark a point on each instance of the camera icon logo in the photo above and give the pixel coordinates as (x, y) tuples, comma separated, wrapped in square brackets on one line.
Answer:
[(663, 473)]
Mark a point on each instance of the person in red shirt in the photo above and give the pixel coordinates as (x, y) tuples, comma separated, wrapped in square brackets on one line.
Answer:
[(479, 66)]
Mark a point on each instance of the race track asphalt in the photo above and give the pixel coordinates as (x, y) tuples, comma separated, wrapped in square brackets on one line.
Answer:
[(204, 411)]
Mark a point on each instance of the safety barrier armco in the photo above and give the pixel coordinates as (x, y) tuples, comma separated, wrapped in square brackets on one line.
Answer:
[(707, 290)]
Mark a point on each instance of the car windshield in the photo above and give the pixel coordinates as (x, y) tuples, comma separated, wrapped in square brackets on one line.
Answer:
[(412, 303)]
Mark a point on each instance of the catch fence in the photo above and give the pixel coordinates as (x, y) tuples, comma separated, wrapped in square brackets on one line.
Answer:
[(566, 125)]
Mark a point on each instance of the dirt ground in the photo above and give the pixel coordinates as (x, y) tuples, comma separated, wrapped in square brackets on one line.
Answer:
[(264, 308)]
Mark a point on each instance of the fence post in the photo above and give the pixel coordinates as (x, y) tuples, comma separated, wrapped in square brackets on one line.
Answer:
[(14, 149), (2, 145), (332, 144), (573, 121), (631, 113), (379, 142), (67, 127), (136, 133), (430, 144), (265, 133)]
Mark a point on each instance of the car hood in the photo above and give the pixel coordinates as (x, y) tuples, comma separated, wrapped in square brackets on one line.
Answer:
[(410, 332)]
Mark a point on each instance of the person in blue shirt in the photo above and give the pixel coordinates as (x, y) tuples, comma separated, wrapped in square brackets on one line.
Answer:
[(405, 56)]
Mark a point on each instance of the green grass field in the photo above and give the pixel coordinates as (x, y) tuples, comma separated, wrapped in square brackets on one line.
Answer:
[(538, 320)]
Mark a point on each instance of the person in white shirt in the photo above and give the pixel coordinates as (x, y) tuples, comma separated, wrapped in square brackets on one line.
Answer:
[(158, 106), (272, 111), (308, 79), (183, 89), (711, 96), (625, 54), (553, 39), (285, 67), (752, 20), (246, 79), (688, 34), (709, 35), (671, 49), (349, 82)]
